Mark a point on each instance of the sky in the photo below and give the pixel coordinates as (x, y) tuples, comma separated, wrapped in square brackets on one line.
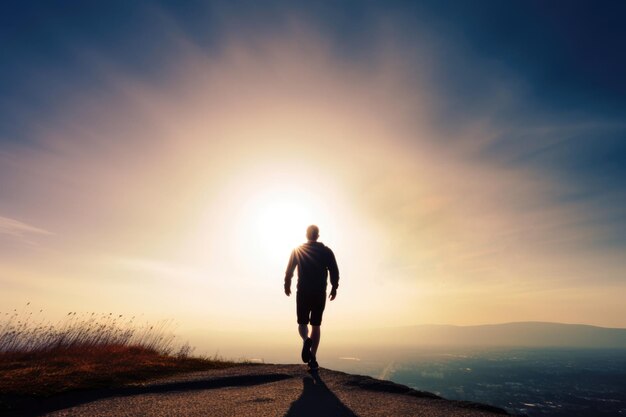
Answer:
[(464, 160)]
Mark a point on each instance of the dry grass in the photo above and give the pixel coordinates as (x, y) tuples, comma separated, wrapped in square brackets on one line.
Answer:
[(75, 368), (87, 351), (27, 332)]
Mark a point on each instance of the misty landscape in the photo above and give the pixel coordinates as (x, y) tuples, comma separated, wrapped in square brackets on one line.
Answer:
[(554, 369), (519, 334), (532, 381)]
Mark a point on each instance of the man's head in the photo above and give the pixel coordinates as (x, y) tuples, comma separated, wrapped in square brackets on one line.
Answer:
[(312, 233)]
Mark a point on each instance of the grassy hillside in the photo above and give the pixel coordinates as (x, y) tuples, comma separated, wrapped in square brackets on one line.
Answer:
[(86, 351)]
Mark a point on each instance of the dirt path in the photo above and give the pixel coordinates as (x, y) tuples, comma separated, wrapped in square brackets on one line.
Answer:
[(264, 390)]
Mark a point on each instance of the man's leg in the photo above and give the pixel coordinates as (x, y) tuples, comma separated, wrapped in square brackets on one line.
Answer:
[(303, 330), (302, 309), (316, 321), (315, 337)]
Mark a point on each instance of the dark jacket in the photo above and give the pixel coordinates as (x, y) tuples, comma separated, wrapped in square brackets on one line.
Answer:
[(314, 261)]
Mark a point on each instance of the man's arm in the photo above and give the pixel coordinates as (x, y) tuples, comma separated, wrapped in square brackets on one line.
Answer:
[(334, 274), (291, 266)]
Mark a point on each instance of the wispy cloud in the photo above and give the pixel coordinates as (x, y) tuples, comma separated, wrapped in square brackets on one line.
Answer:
[(19, 229), (156, 267)]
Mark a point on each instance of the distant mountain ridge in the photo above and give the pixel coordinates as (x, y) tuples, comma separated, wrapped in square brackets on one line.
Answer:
[(516, 334)]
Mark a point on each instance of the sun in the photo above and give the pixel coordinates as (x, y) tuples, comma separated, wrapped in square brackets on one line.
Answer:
[(273, 222), (263, 214), (280, 224)]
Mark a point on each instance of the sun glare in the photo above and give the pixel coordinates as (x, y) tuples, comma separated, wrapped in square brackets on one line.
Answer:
[(279, 225), (275, 223), (271, 220)]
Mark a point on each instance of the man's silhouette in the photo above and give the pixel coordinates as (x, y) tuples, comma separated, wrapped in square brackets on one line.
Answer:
[(314, 261)]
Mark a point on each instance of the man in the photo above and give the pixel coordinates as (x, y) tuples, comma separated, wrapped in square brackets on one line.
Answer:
[(314, 261)]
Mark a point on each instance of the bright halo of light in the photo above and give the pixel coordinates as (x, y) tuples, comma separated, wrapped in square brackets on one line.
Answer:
[(280, 224), (273, 222)]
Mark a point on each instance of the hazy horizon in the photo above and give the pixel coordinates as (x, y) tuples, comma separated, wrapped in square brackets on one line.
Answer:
[(340, 347), (162, 160)]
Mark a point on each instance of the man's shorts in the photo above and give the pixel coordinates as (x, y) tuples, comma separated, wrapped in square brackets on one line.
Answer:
[(310, 307)]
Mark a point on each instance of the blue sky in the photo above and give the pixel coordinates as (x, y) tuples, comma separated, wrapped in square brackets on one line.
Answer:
[(531, 94), (567, 62)]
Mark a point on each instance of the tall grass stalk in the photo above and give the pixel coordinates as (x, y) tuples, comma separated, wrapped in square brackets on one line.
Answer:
[(24, 333)]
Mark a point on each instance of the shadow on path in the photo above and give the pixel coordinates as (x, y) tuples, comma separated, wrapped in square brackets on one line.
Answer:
[(317, 400), (39, 406)]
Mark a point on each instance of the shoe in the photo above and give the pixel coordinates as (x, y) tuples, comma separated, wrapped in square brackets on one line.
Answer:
[(306, 350), (313, 365)]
